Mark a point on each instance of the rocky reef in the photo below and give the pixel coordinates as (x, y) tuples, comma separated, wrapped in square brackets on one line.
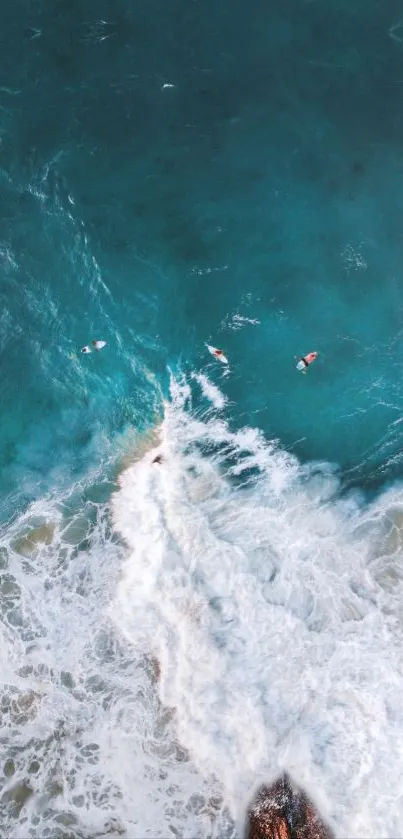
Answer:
[(282, 811)]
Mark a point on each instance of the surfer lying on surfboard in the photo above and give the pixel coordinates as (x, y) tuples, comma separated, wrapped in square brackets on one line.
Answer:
[(97, 345), (306, 360), (217, 354)]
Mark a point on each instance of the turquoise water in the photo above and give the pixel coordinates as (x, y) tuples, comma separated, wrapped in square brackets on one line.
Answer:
[(266, 183), (256, 205)]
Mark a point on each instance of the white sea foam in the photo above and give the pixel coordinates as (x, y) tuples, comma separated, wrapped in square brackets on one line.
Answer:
[(238, 321), (87, 748), (272, 606), (210, 391), (353, 259)]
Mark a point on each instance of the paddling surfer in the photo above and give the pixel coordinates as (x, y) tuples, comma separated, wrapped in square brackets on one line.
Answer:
[(306, 360)]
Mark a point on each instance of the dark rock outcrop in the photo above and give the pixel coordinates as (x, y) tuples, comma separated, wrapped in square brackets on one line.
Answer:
[(282, 811)]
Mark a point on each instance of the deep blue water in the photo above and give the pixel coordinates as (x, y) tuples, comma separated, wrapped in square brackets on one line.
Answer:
[(266, 183)]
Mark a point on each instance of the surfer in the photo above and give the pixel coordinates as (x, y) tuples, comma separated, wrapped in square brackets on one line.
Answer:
[(306, 360), (217, 354), (96, 345)]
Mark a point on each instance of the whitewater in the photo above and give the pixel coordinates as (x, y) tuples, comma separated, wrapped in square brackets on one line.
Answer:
[(224, 615)]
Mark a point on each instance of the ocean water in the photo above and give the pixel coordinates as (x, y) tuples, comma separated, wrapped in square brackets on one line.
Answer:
[(172, 634)]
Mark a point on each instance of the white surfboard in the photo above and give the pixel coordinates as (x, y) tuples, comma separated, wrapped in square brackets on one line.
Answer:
[(218, 354), (99, 345)]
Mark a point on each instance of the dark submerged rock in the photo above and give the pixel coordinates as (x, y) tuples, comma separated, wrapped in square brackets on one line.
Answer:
[(282, 811)]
